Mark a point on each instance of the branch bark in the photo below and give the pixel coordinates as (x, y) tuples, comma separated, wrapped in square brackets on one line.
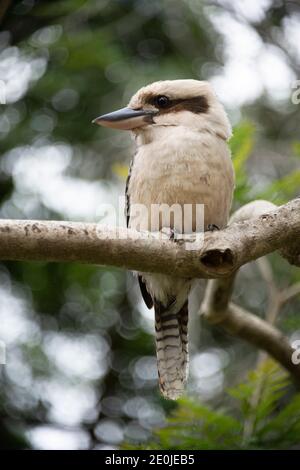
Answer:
[(217, 308), (221, 253), (240, 322), (255, 230)]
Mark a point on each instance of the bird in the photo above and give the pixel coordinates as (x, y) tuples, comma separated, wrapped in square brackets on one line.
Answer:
[(182, 158)]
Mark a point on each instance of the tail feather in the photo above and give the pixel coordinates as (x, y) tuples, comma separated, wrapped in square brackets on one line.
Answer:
[(171, 327)]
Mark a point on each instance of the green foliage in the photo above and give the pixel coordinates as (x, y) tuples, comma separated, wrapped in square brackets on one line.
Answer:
[(241, 144), (278, 191), (296, 148), (282, 190), (259, 415)]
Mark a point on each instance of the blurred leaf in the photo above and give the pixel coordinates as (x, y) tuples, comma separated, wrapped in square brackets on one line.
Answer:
[(120, 170), (282, 190), (241, 145), (59, 8), (296, 148)]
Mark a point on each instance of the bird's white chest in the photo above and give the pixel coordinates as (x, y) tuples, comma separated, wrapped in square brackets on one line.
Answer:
[(183, 167)]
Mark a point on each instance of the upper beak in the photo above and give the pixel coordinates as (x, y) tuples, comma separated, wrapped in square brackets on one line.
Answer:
[(126, 118)]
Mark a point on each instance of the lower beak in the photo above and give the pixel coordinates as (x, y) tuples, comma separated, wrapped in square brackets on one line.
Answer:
[(126, 118)]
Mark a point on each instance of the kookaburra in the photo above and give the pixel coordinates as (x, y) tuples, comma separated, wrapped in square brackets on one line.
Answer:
[(182, 157)]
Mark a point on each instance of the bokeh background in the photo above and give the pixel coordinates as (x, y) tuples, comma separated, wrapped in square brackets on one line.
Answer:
[(80, 368)]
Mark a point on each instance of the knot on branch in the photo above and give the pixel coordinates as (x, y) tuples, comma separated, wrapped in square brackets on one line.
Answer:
[(281, 229), (223, 260), (254, 230), (292, 253)]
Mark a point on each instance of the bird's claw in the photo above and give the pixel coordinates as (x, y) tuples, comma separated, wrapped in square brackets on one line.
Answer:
[(212, 227), (172, 235), (168, 233)]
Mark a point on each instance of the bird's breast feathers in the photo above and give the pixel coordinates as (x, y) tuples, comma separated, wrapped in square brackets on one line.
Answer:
[(184, 167)]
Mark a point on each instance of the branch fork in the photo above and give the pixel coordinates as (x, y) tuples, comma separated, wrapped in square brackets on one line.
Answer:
[(255, 230)]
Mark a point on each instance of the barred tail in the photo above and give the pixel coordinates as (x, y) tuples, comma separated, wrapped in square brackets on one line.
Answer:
[(171, 327)]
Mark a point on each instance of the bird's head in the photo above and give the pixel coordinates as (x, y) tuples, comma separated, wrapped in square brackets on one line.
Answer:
[(188, 103)]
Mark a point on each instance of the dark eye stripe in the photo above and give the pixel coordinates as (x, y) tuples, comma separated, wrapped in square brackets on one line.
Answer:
[(197, 104)]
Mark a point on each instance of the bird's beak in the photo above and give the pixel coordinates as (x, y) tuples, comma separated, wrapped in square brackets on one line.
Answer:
[(126, 118)]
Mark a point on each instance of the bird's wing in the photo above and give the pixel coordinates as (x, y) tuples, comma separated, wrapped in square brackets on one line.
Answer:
[(127, 197), (145, 294)]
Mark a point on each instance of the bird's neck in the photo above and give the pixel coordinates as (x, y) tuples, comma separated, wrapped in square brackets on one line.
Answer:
[(175, 134), (158, 134)]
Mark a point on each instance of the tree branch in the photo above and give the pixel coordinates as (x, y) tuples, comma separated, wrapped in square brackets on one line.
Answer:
[(240, 322), (254, 230), (217, 308), (221, 254)]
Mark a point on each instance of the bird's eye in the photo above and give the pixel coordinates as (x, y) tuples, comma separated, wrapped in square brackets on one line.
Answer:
[(162, 101)]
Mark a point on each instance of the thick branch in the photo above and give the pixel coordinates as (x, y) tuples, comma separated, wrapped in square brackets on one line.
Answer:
[(254, 231), (239, 322), (221, 254), (217, 308)]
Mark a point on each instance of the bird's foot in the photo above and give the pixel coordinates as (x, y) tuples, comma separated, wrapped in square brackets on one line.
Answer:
[(212, 227), (168, 233)]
